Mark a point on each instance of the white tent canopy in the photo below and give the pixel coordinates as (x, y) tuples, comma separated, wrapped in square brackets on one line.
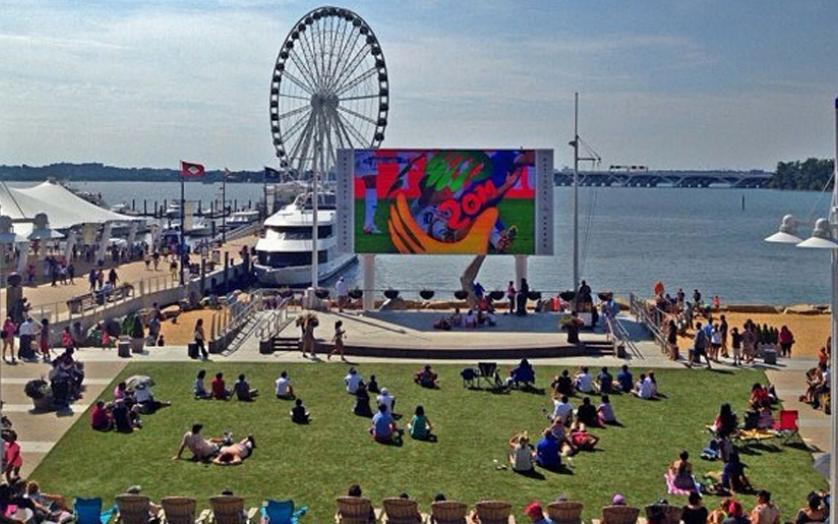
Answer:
[(64, 208)]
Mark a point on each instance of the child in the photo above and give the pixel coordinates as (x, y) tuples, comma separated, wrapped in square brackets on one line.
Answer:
[(338, 340), (11, 456)]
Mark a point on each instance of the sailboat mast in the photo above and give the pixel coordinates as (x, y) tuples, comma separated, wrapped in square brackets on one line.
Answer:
[(575, 191)]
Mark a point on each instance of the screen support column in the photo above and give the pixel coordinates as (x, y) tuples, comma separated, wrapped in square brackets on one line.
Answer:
[(520, 269), (368, 268)]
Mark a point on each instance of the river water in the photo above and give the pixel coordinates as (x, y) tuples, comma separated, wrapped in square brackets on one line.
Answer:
[(629, 238)]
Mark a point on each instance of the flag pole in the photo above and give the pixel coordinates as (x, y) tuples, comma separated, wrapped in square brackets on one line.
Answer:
[(182, 251), (224, 206)]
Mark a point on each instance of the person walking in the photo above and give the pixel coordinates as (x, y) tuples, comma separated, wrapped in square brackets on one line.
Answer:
[(44, 340), (113, 278), (200, 337), (699, 347), (338, 340), (786, 340), (723, 328), (91, 278), (8, 332), (342, 292), (71, 273), (27, 330)]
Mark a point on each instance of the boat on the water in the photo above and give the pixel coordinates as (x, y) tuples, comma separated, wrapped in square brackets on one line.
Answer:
[(242, 218), (283, 256)]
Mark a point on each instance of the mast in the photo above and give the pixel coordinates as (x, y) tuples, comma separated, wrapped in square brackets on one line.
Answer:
[(575, 145)]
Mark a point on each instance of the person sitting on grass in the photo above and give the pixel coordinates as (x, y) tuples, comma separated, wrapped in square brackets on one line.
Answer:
[(100, 418), (562, 385), (362, 401), (643, 389), (816, 510), (425, 377), (733, 477), (145, 399), (125, 419), (235, 454), (650, 375), (583, 382), (521, 454), (283, 388), (547, 452), (726, 422), (219, 388), (386, 399), (562, 410), (200, 448), (681, 473), (625, 379), (198, 389), (384, 429), (587, 413), (351, 380), (765, 512), (372, 385), (759, 397), (605, 412), (299, 414), (243, 391), (420, 427), (581, 439), (604, 381), (560, 433)]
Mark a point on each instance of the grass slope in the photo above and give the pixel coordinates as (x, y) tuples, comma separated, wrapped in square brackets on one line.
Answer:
[(313, 464)]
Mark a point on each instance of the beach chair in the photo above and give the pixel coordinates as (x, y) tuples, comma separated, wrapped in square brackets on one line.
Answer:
[(89, 511), (786, 425), (488, 372), (619, 515), (57, 501), (494, 512), (226, 509), (448, 512), (670, 514), (132, 509), (401, 511), (178, 510), (281, 512), (354, 510), (565, 512)]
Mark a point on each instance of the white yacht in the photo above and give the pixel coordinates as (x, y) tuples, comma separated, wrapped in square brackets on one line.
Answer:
[(242, 218), (284, 254)]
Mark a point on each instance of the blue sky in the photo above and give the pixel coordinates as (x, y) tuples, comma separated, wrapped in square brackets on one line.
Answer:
[(700, 84)]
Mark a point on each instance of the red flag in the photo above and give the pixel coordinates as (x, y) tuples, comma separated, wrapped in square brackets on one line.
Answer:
[(188, 169)]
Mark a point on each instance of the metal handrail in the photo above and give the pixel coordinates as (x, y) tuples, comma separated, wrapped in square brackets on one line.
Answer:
[(619, 336), (641, 313)]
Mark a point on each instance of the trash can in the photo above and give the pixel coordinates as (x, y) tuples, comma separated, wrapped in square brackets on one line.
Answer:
[(192, 350), (769, 356), (123, 348)]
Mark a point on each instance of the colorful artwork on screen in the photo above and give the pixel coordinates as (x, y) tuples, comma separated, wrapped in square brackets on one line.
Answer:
[(444, 201)]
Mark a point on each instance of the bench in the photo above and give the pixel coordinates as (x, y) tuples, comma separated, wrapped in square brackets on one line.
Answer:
[(81, 303)]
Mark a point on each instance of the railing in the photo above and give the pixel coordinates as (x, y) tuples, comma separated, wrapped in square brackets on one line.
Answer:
[(620, 338), (651, 319), (239, 232), (272, 323)]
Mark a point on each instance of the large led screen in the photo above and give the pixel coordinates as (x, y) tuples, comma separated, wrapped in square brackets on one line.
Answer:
[(442, 201)]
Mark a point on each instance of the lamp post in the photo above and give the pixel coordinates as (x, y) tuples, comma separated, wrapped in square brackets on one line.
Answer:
[(824, 236)]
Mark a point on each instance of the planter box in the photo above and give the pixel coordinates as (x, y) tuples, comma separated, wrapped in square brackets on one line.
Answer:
[(44, 403)]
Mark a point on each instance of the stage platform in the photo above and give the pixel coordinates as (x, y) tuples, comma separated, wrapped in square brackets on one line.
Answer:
[(410, 334)]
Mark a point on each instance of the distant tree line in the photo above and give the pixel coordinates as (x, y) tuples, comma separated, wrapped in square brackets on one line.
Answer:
[(100, 172), (812, 174)]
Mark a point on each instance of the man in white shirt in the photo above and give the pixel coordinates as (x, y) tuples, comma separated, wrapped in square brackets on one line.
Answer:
[(283, 387), (352, 379), (583, 381), (563, 410), (644, 388), (27, 330), (386, 399)]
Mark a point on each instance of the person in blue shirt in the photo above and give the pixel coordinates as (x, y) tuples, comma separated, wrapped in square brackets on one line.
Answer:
[(700, 346), (625, 379), (383, 428), (547, 452)]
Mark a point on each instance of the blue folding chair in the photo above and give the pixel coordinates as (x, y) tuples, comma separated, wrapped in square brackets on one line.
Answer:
[(282, 512), (89, 511)]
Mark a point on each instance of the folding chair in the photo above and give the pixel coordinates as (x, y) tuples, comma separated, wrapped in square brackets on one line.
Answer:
[(565, 512), (489, 374), (786, 425), (281, 512), (89, 511)]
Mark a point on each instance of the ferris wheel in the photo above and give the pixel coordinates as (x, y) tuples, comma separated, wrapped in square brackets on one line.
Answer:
[(329, 90)]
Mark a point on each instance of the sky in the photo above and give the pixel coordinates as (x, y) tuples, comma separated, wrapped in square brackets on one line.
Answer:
[(702, 84)]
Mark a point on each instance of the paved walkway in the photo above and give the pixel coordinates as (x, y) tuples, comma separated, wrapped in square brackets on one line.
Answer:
[(39, 432)]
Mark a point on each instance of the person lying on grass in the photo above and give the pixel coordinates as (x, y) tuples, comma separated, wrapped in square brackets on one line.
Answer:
[(384, 429), (299, 414), (426, 377), (235, 454), (581, 439), (201, 448)]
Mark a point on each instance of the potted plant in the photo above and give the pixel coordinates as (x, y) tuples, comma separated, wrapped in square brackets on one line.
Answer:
[(461, 294), (497, 295), (356, 293), (426, 294), (41, 394), (391, 293), (534, 295)]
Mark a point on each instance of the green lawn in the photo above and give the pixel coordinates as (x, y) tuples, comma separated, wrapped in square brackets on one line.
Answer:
[(313, 464), (520, 213)]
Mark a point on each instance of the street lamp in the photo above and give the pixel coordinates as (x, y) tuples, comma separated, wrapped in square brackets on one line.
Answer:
[(824, 234)]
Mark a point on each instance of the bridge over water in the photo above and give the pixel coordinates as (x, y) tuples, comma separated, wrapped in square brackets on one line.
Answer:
[(650, 178)]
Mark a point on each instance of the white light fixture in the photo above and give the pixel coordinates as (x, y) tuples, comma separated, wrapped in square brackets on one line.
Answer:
[(787, 233), (821, 237)]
